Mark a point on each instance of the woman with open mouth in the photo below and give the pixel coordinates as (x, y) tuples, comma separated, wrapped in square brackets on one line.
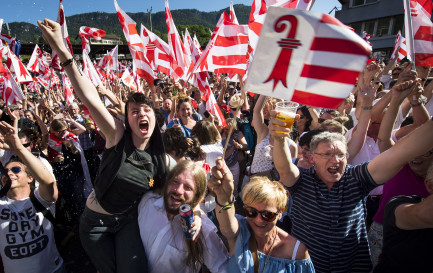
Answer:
[(133, 162), (184, 117)]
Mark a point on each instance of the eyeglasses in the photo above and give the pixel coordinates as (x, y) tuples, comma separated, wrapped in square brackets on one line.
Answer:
[(331, 155), (301, 116), (15, 170), (26, 145), (266, 215)]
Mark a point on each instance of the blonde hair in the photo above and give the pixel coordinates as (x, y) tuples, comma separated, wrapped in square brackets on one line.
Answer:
[(261, 190)]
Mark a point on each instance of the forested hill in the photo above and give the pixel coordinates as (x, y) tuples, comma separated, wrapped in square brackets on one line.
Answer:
[(196, 21)]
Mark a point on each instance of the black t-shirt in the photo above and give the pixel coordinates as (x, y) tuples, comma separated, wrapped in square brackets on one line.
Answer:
[(404, 250)]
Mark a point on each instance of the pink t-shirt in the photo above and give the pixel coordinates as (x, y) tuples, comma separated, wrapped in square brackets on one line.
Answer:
[(404, 182)]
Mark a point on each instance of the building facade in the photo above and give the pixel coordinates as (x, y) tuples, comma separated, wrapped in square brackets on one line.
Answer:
[(380, 18)]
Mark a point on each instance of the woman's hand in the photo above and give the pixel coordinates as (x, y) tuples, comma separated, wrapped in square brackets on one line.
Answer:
[(52, 33), (221, 182)]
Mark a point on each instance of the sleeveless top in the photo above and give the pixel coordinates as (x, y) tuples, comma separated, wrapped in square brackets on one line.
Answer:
[(127, 173), (242, 259)]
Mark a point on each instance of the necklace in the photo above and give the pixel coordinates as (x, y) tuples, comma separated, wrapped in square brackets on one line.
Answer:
[(270, 251)]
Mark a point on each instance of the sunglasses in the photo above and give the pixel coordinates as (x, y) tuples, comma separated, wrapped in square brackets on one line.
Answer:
[(301, 116), (15, 170), (26, 145), (183, 100), (266, 215)]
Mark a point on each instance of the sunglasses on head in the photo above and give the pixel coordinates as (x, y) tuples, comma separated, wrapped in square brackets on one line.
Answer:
[(184, 100), (15, 170), (266, 215)]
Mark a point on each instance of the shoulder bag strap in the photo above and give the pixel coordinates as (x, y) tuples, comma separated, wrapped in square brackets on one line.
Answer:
[(253, 249), (42, 209)]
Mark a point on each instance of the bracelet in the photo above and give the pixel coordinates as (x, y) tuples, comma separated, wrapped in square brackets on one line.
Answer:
[(66, 63), (367, 107), (226, 207)]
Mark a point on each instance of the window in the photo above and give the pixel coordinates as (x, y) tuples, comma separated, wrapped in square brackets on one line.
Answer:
[(357, 27), (369, 27), (356, 3), (383, 26), (398, 24)]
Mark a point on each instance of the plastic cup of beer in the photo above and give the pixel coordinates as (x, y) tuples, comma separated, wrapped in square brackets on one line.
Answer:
[(286, 111)]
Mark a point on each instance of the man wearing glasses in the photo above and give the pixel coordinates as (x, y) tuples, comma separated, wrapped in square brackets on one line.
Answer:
[(27, 242), (6, 155), (328, 200)]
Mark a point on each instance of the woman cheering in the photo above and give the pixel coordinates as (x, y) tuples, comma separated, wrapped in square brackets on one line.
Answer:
[(133, 162), (256, 244)]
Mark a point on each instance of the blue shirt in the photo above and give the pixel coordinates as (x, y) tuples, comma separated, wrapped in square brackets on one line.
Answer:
[(331, 223), (242, 260)]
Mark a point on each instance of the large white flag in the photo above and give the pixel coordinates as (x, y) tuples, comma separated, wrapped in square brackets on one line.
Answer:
[(306, 57)]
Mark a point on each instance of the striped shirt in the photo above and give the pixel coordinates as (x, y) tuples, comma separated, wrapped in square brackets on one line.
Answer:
[(331, 223)]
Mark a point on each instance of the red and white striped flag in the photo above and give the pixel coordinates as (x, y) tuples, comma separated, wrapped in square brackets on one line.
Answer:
[(419, 13), (8, 40), (34, 86), (128, 80), (90, 70), (314, 62), (157, 51), (10, 90), (67, 89), (400, 49), (15, 65), (180, 61), (136, 46), (197, 44), (227, 51), (61, 19), (86, 32), (110, 61)]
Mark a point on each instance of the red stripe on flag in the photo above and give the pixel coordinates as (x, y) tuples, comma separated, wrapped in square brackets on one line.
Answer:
[(143, 74), (231, 40), (424, 33), (132, 30), (329, 74), (163, 57), (229, 60), (339, 46), (230, 70), (316, 100), (424, 59)]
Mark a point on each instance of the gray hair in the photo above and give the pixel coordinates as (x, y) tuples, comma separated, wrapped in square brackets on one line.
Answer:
[(326, 137)]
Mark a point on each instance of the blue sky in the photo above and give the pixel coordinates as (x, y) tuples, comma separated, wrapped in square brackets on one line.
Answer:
[(32, 10)]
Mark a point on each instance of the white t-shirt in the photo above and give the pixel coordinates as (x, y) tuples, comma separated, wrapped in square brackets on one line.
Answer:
[(164, 240), (27, 239)]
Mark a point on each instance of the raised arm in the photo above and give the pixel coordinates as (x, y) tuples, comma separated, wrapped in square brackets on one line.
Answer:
[(83, 87), (366, 95), (221, 183), (259, 120), (47, 184), (289, 173), (387, 164), (398, 93)]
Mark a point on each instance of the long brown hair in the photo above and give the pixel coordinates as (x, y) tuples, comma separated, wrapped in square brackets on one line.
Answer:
[(195, 248)]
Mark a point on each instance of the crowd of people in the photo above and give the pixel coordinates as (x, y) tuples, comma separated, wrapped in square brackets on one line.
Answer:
[(344, 190)]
